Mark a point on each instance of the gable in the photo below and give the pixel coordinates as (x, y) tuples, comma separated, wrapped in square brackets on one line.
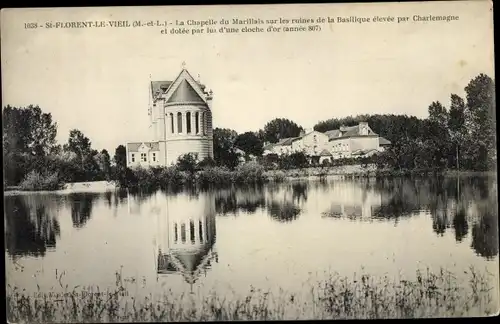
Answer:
[(185, 93)]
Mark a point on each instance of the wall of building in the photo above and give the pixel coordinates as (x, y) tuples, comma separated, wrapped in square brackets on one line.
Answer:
[(364, 143), (340, 148), (181, 146)]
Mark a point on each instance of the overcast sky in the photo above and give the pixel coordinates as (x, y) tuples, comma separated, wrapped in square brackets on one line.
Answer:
[(97, 80)]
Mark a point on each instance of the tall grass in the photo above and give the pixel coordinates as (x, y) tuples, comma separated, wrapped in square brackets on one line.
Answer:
[(429, 295)]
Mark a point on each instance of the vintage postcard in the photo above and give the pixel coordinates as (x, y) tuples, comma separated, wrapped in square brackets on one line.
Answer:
[(250, 162)]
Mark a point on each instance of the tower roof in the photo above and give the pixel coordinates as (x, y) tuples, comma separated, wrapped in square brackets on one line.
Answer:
[(185, 93)]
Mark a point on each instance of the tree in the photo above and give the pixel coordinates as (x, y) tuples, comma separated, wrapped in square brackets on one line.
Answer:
[(120, 157), (250, 143), (28, 138), (280, 128), (104, 162), (79, 144), (187, 162), (481, 121), (224, 153), (456, 123)]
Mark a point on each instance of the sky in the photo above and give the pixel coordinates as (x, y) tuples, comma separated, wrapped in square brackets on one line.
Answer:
[(97, 80)]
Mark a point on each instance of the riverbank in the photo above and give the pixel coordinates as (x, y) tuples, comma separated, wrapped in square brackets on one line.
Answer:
[(438, 294), (250, 173), (75, 187)]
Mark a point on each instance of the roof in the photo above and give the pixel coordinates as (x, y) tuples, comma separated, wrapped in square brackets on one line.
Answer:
[(325, 153), (347, 132), (383, 141), (287, 141), (363, 152), (134, 147), (161, 86), (268, 147), (185, 93)]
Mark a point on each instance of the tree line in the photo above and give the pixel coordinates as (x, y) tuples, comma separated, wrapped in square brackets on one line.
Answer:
[(462, 136)]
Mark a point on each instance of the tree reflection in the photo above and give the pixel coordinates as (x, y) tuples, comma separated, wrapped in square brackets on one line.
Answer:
[(242, 199), (299, 192), (283, 211), (30, 230), (485, 235), (81, 207), (460, 224)]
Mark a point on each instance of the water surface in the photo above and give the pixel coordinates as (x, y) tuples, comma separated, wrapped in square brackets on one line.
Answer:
[(278, 236)]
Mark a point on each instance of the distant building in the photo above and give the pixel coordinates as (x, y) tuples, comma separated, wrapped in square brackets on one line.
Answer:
[(180, 114), (345, 142)]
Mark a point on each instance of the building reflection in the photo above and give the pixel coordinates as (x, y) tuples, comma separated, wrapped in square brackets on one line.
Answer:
[(186, 237), (355, 201)]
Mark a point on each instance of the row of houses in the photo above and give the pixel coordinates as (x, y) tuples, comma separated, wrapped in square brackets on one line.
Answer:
[(345, 142)]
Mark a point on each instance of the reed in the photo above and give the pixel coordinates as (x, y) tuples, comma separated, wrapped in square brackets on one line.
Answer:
[(429, 294)]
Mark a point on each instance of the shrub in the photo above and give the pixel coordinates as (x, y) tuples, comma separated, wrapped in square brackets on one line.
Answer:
[(215, 176), (206, 163), (250, 172), (187, 162), (37, 181), (275, 176)]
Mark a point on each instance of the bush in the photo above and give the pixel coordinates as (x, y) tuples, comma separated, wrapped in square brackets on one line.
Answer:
[(250, 172), (215, 176), (206, 163), (275, 176), (187, 162), (37, 181)]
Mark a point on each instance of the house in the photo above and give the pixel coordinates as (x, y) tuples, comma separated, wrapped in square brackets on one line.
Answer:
[(284, 146), (311, 143), (143, 154), (354, 141), (180, 113)]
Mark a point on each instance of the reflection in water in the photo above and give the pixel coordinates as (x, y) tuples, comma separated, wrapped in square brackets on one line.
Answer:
[(467, 206), (186, 237), (283, 204), (234, 200), (81, 207), (283, 211), (485, 235), (29, 228)]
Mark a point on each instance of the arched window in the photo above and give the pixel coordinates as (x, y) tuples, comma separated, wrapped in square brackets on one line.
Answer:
[(192, 231), (205, 123), (176, 235), (202, 121), (172, 122), (200, 228), (179, 122), (183, 233), (188, 122), (197, 122)]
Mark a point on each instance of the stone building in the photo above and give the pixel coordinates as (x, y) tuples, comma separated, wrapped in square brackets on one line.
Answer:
[(180, 115), (345, 142)]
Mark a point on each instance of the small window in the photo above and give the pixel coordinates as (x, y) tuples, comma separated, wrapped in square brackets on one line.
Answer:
[(143, 157), (133, 157), (154, 157)]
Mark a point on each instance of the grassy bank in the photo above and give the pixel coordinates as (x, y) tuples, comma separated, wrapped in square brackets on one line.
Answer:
[(363, 297), (254, 173)]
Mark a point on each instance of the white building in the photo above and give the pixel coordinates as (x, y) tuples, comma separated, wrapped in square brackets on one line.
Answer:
[(346, 142), (180, 114)]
